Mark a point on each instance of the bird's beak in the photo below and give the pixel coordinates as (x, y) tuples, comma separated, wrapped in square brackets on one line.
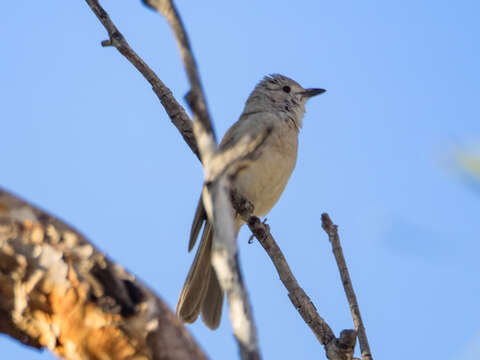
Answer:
[(308, 93)]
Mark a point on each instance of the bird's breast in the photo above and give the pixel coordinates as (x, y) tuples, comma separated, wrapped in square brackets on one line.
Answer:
[(264, 180)]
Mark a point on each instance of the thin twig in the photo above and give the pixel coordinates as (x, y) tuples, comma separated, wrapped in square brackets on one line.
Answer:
[(335, 348), (297, 295), (332, 232), (196, 96), (175, 111)]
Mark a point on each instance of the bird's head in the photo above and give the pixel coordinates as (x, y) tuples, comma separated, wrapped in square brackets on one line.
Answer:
[(281, 94)]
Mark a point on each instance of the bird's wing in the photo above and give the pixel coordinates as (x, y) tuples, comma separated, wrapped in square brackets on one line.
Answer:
[(237, 130), (198, 220), (233, 135)]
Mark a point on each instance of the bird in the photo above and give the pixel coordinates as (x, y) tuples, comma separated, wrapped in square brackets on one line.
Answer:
[(276, 103)]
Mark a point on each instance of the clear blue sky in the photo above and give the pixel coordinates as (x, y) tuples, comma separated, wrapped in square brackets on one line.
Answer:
[(84, 137)]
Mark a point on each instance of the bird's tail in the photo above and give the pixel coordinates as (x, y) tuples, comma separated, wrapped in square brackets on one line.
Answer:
[(201, 291)]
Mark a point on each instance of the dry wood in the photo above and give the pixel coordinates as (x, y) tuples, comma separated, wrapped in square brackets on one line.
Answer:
[(58, 291), (341, 348), (332, 231), (174, 110)]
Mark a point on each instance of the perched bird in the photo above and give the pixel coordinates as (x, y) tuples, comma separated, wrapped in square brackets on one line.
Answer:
[(278, 103)]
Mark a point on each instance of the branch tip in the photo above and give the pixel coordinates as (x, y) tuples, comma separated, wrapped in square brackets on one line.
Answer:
[(326, 221), (332, 232)]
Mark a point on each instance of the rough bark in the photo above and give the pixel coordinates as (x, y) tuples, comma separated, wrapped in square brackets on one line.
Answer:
[(59, 292)]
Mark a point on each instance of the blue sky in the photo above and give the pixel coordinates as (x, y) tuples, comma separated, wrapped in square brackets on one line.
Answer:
[(84, 136)]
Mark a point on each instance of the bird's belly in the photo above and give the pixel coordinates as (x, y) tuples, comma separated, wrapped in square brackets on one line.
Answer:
[(265, 179)]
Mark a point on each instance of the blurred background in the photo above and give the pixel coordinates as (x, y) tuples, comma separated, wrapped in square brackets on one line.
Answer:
[(391, 152)]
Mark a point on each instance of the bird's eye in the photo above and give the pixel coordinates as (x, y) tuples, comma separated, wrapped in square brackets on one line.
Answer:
[(286, 89)]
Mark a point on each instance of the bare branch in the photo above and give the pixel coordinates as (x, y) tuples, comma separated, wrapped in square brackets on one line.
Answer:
[(174, 110), (196, 96), (332, 232), (297, 295), (224, 246), (225, 262), (336, 349), (59, 292), (217, 166)]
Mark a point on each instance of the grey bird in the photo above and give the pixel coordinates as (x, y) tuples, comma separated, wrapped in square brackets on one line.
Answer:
[(278, 103)]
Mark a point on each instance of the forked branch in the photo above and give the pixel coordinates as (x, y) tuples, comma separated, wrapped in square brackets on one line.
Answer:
[(175, 111), (196, 97), (341, 348)]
